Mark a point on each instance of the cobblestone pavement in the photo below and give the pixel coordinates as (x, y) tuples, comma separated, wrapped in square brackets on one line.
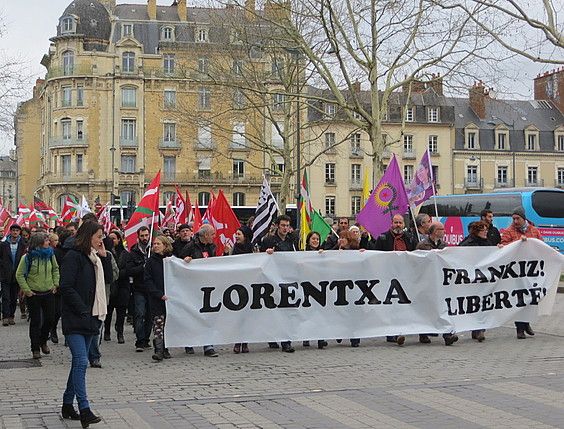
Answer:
[(502, 383)]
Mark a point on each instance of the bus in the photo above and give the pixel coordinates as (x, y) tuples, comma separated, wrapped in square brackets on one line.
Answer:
[(544, 207), (243, 213)]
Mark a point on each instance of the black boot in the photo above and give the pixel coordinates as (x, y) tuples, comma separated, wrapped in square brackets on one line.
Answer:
[(88, 418), (68, 412), (158, 344)]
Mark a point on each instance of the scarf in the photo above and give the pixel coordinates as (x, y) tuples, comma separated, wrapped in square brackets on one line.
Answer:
[(100, 307)]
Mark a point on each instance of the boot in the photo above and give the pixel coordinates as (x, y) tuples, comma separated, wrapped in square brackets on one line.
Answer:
[(68, 412), (521, 334), (88, 418), (244, 348), (166, 354), (120, 338), (158, 344), (54, 337), (529, 330)]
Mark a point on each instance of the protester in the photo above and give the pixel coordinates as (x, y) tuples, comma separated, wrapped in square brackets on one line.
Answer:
[(395, 239), (56, 241), (280, 241), (331, 242), (135, 268), (202, 246), (38, 277), (11, 252), (422, 224), (184, 236), (494, 236), (84, 307), (520, 229), (119, 290), (154, 284)]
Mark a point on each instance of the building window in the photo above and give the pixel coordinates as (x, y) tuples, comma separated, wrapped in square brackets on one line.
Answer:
[(203, 65), (330, 110), (169, 98), (278, 102), (435, 172), (127, 198), (278, 167), (501, 141), (238, 168), (407, 174), (66, 127), (127, 30), (68, 63), (433, 114), (203, 198), (80, 95), (433, 144), (355, 174), (128, 129), (202, 35), (407, 144), (532, 176), (471, 140), (204, 98), (128, 163), (277, 134), (66, 165), (67, 96), (67, 25), (329, 140), (238, 67), (169, 134), (238, 140), (128, 62), (472, 174), (169, 167), (355, 144), (330, 172), (204, 137), (502, 175), (409, 114), (330, 206), (80, 130), (277, 67), (168, 63), (238, 99), (238, 199), (560, 143), (128, 97), (531, 142), (79, 163), (204, 168), (356, 203), (560, 176), (168, 34)]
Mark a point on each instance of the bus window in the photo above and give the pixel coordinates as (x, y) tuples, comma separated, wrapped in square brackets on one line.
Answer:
[(549, 204)]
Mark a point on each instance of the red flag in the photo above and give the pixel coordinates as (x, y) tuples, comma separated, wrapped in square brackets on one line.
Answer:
[(170, 215), (146, 210), (209, 210), (189, 209), (43, 207), (5, 219), (105, 220), (197, 218), (70, 210), (223, 219), (23, 215), (181, 210)]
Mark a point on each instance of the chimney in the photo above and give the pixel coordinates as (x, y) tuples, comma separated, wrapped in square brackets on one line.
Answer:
[(277, 10), (356, 87), (550, 86), (152, 9), (436, 83), (416, 85), (250, 9), (478, 94), (182, 11)]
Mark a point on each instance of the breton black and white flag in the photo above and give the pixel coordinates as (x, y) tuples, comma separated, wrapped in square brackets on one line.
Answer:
[(266, 211)]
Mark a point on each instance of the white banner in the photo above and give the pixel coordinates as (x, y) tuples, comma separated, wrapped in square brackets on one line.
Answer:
[(352, 294)]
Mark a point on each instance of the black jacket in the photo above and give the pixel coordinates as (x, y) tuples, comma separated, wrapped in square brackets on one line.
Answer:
[(7, 267), (154, 283), (385, 242), (494, 237), (78, 288), (178, 245), (135, 268), (121, 289), (275, 242), (475, 241), (331, 242), (197, 250)]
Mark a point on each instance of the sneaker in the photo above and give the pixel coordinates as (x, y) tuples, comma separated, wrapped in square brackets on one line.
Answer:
[(96, 364), (54, 337), (147, 345), (245, 348), (273, 346), (45, 349), (5, 322), (424, 339), (139, 348), (11, 321), (36, 354), (288, 349), (189, 350), (210, 353), (321, 344), (450, 340), (306, 343), (120, 339), (480, 337), (400, 340), (107, 336)]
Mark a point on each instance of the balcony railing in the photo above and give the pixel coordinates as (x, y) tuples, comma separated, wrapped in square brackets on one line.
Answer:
[(212, 177), (355, 185), (129, 142), (503, 183), (170, 144), (74, 142), (77, 70), (357, 153), (559, 183), (409, 154), (330, 182), (204, 145), (534, 184), (473, 183)]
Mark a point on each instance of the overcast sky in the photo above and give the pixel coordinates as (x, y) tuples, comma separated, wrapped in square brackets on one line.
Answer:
[(30, 23)]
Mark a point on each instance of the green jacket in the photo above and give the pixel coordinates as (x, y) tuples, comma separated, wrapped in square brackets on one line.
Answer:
[(43, 275)]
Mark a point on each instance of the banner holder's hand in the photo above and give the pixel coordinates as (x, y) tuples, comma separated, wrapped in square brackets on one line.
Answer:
[(187, 259), (270, 251)]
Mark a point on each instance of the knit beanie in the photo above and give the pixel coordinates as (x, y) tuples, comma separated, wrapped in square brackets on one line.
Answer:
[(519, 211)]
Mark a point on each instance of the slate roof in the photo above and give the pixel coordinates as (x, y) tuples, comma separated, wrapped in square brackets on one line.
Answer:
[(93, 21)]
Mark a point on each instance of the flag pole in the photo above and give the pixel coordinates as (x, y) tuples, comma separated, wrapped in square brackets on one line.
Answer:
[(414, 223), (433, 184), (151, 234)]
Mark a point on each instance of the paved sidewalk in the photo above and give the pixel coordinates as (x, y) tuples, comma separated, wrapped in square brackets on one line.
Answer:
[(502, 382)]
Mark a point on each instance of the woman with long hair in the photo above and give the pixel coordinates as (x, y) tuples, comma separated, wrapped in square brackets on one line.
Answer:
[(85, 270), (154, 283), (38, 277)]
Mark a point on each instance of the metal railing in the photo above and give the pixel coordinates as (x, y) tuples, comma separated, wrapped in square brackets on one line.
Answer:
[(76, 70), (73, 142), (473, 183), (129, 142), (170, 144), (508, 183), (533, 184)]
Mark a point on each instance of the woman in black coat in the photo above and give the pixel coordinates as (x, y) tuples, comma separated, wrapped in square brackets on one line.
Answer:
[(154, 284), (119, 290), (478, 237), (84, 272)]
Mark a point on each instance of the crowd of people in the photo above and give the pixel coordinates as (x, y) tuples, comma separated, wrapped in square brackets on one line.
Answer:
[(81, 276)]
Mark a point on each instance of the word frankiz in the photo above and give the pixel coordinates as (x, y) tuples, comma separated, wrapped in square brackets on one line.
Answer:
[(292, 295), (512, 270)]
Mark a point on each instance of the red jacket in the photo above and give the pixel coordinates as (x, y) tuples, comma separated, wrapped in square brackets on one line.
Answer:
[(511, 234)]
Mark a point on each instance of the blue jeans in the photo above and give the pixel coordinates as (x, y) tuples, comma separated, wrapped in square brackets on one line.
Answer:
[(76, 383), (94, 351), (142, 321)]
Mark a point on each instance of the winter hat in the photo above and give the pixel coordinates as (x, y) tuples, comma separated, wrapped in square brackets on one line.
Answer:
[(519, 211)]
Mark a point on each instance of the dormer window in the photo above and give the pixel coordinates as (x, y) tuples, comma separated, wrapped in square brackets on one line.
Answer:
[(531, 138), (68, 25), (409, 114), (127, 30), (202, 35), (330, 110), (167, 34)]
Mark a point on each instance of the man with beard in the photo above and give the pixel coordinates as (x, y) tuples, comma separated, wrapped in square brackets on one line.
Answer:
[(184, 236), (494, 237), (332, 240)]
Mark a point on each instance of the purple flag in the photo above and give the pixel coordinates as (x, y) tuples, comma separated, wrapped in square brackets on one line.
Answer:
[(386, 200), (421, 187)]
